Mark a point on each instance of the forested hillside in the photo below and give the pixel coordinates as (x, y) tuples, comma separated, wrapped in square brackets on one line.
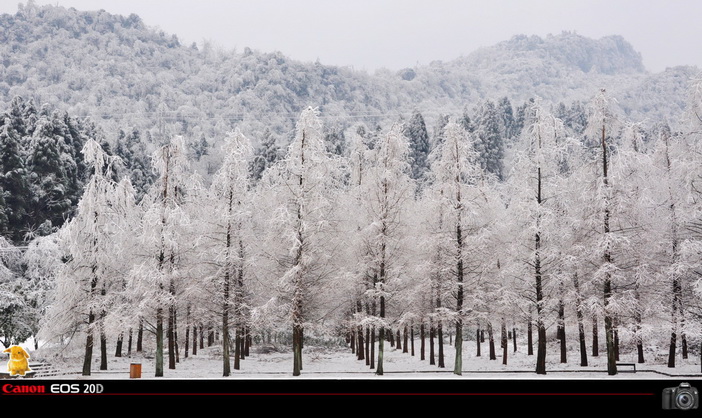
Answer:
[(126, 75), (154, 194)]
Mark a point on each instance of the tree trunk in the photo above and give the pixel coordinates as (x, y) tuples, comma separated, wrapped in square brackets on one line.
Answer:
[(504, 341), (541, 350), (595, 341), (405, 337), (360, 355), (202, 336), (562, 329), (140, 336), (159, 342), (579, 316), (683, 338), (248, 341), (103, 350), (458, 363), (237, 348), (609, 334), (243, 342), (194, 339), (171, 337), (514, 339), (530, 338), (412, 338), (477, 341), (381, 336), (440, 338), (639, 351), (368, 344), (226, 366), (381, 284), (674, 321), (422, 341), (616, 343), (491, 338), (372, 349), (118, 346), (672, 349), (175, 335), (88, 356), (432, 359), (129, 343), (297, 349), (187, 331)]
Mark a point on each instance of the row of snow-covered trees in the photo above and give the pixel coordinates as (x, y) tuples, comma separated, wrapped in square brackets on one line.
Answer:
[(599, 228)]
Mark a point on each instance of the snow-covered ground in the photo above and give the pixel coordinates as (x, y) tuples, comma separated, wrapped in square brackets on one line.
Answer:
[(340, 363)]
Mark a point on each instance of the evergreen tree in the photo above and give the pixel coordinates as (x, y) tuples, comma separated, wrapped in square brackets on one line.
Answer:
[(440, 131), (416, 132), (13, 183), (507, 122), (335, 140), (265, 156), (136, 161), (50, 168), (489, 144)]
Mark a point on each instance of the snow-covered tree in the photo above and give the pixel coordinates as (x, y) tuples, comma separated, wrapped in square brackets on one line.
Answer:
[(418, 136), (80, 302), (302, 186), (456, 176), (14, 184), (159, 273), (535, 181), (489, 141), (42, 263), (388, 190), (602, 128), (231, 187), (265, 155), (18, 317)]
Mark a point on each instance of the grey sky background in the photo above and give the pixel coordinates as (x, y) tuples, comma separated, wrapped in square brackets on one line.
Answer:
[(369, 34)]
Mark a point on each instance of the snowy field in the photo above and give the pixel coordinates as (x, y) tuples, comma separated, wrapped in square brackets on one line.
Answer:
[(340, 363)]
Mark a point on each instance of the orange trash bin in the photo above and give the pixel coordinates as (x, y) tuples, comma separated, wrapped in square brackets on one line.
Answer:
[(135, 370)]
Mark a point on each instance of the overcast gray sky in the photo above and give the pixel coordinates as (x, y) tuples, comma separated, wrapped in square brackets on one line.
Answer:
[(368, 34)]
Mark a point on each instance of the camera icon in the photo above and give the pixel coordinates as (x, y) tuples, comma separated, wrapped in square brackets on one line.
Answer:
[(682, 397)]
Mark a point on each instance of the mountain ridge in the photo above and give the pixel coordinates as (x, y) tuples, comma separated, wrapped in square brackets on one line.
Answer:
[(610, 54), (123, 73)]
